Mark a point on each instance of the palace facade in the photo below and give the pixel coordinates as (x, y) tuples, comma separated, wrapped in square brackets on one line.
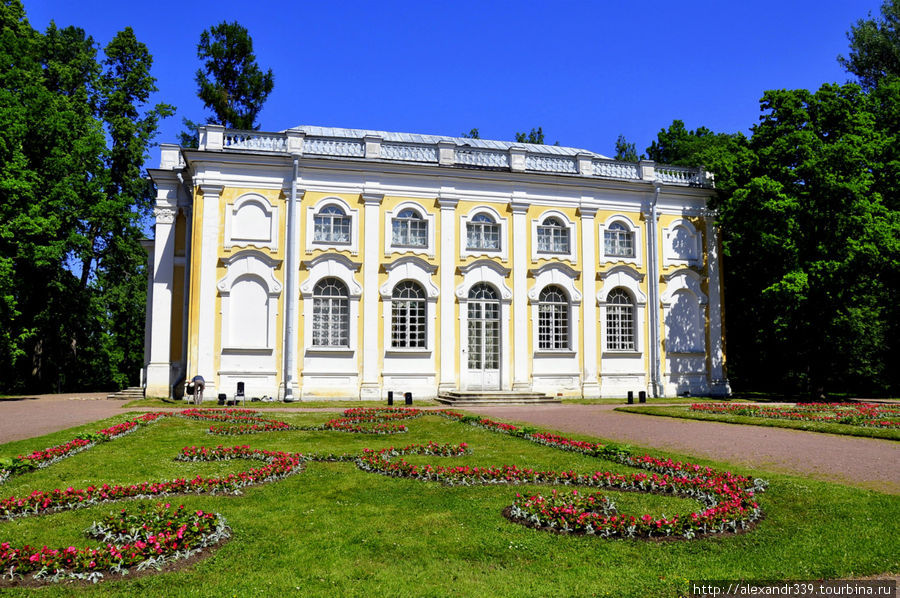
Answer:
[(320, 263)]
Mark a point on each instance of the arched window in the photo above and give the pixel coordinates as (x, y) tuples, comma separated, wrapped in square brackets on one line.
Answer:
[(553, 319), (331, 314), (618, 240), (482, 233), (619, 321), (553, 236), (408, 325), (409, 229), (332, 225)]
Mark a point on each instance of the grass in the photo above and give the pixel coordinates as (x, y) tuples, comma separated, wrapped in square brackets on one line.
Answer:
[(666, 401), (825, 427), (334, 530)]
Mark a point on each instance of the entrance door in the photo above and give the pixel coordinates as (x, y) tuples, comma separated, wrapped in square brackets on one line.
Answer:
[(484, 339)]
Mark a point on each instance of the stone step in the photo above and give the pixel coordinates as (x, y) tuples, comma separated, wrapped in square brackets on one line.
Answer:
[(129, 394), (490, 397)]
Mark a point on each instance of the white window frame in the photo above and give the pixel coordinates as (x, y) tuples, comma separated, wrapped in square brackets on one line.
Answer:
[(331, 265), (636, 235), (418, 270), (500, 221), (629, 279), (231, 213), (429, 218), (562, 276), (628, 334), (311, 211), (568, 225), (695, 244), (487, 271), (337, 310), (262, 267)]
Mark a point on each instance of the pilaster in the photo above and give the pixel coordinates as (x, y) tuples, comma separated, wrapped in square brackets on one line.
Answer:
[(590, 387), (521, 348), (159, 367), (448, 204), (206, 314), (370, 386), (718, 382)]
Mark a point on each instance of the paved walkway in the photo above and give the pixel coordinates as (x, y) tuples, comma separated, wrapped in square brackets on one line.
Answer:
[(866, 462)]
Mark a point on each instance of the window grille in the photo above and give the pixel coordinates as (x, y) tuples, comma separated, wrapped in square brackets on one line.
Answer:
[(619, 321), (331, 314), (618, 240), (331, 225), (553, 236), (482, 233), (553, 319), (408, 328), (409, 229)]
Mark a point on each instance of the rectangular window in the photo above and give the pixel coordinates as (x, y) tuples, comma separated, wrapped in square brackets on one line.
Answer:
[(553, 327), (553, 239), (330, 323), (483, 236), (620, 328), (408, 324), (409, 233)]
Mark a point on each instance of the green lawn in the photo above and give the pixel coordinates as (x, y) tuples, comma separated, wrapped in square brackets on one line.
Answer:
[(212, 404), (829, 428), (335, 530)]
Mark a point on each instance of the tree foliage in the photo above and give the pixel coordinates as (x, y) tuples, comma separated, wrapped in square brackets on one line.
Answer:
[(811, 237), (626, 151), (231, 83), (875, 46), (74, 132)]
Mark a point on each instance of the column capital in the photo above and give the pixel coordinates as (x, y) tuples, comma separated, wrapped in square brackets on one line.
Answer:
[(448, 201), (519, 206), (587, 212), (211, 188), (372, 199), (164, 215)]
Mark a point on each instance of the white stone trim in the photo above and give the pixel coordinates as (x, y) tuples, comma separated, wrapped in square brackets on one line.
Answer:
[(370, 387), (636, 231), (271, 212), (420, 271), (502, 223), (590, 386), (256, 264), (353, 214), (684, 281), (564, 277), (694, 244), (536, 255), (390, 248), (624, 277), (331, 266), (489, 272), (521, 355)]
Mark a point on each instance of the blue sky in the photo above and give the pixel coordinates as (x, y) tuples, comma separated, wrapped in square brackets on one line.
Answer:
[(584, 71)]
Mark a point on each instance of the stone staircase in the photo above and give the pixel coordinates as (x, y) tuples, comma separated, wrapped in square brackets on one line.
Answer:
[(131, 393), (472, 398)]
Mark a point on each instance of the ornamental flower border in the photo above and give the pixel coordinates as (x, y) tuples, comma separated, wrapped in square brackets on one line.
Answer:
[(866, 415), (728, 500)]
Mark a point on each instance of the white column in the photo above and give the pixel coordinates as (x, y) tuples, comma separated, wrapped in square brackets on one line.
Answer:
[(447, 204), (657, 386), (292, 291), (590, 388), (206, 314), (521, 349), (718, 382), (158, 370), (370, 387), (186, 303)]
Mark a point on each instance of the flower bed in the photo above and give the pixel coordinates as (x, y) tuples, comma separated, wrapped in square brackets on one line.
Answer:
[(869, 415), (728, 500), (360, 420), (152, 537)]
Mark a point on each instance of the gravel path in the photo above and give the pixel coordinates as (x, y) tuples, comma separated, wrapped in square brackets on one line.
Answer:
[(866, 462)]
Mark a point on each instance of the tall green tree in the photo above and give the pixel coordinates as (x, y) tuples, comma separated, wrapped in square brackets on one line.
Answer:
[(875, 46), (231, 83), (75, 132)]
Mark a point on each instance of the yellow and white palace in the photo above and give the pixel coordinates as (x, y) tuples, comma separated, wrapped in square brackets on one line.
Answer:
[(320, 263)]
